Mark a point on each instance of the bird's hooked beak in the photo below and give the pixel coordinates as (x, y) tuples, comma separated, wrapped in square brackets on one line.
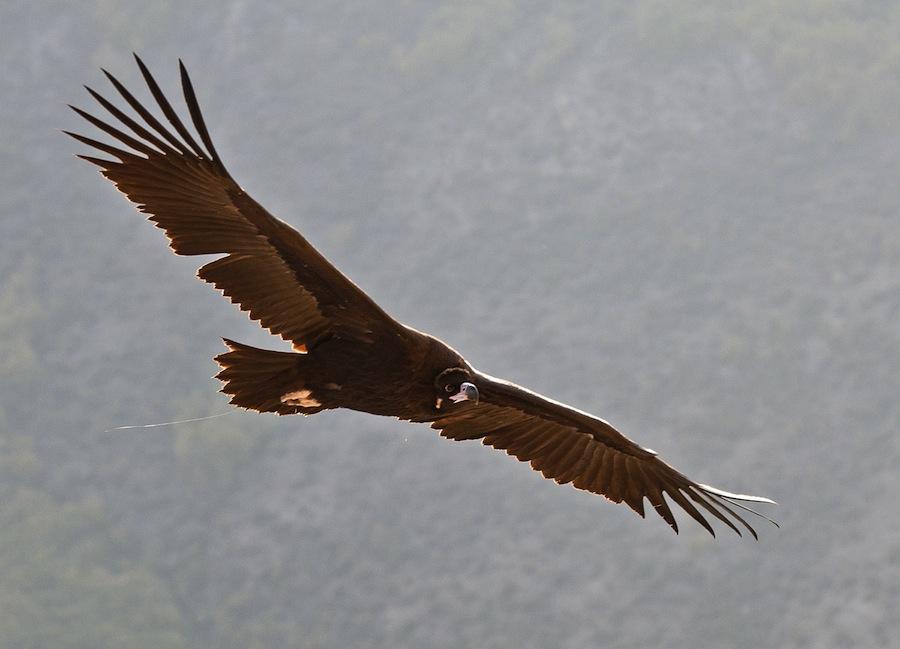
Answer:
[(467, 392)]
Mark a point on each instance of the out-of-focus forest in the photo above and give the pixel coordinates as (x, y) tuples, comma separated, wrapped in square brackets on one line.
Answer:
[(683, 217)]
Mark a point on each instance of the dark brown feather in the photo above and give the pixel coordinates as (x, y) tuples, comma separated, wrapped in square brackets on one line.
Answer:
[(268, 269), (568, 445)]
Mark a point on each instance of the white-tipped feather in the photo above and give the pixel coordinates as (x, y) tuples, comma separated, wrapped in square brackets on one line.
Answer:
[(731, 496)]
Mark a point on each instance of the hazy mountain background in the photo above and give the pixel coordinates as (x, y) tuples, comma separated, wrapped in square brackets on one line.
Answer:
[(684, 217)]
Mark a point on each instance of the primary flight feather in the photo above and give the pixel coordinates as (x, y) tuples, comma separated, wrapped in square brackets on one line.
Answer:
[(349, 353)]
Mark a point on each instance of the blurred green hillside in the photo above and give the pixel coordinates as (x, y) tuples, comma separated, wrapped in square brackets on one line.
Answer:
[(680, 216)]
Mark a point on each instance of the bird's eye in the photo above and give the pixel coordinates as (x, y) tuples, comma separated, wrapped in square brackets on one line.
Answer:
[(448, 388)]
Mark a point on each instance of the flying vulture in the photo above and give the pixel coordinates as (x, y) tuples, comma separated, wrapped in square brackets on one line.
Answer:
[(347, 352)]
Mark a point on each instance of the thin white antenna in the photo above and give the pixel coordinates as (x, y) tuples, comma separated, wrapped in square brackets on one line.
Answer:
[(171, 423)]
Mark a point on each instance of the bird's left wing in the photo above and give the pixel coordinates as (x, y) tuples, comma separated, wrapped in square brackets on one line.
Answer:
[(268, 268), (569, 445)]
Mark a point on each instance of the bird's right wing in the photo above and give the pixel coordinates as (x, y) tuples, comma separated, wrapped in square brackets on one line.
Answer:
[(268, 268), (568, 445)]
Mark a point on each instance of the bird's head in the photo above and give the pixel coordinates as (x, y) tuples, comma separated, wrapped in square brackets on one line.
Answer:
[(454, 386)]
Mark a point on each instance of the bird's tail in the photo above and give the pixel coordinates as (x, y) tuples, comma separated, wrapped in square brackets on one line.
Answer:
[(264, 380)]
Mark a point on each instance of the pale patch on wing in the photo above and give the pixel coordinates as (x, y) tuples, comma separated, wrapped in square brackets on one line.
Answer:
[(302, 398), (300, 348)]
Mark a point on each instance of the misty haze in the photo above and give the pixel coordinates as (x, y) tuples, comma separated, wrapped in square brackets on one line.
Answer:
[(679, 217)]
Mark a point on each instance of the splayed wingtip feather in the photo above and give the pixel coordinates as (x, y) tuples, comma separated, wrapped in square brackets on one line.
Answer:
[(733, 496)]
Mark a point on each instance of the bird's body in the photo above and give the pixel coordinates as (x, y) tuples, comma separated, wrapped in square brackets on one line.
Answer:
[(341, 374), (347, 352)]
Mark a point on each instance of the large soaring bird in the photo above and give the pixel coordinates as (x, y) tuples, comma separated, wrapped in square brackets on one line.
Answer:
[(347, 352)]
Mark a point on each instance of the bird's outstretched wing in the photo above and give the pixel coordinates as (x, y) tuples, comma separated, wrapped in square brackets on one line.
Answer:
[(268, 268), (569, 445)]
